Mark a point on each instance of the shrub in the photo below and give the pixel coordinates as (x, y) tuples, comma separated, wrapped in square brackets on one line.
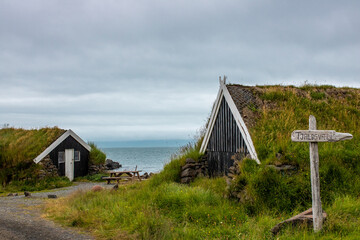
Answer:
[(97, 157), (172, 170)]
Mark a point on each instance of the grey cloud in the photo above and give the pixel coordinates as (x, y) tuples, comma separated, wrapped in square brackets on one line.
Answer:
[(156, 63)]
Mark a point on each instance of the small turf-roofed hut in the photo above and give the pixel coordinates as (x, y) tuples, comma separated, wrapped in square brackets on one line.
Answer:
[(227, 136), (69, 153)]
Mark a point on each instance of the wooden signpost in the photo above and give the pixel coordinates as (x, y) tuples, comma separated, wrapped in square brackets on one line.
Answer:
[(314, 136)]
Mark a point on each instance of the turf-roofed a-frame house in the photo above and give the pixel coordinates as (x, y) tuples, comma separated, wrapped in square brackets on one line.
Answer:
[(227, 136), (69, 153)]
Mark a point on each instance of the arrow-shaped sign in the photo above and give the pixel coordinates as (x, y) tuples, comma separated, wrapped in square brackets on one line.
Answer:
[(319, 136)]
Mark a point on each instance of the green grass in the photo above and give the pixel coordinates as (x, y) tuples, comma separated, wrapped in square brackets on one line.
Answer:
[(199, 211), (161, 208), (92, 178), (35, 185)]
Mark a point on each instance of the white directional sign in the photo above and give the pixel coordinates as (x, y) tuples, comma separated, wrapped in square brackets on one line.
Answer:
[(319, 136), (314, 136)]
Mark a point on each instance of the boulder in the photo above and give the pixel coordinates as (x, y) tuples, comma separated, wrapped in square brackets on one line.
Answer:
[(189, 172), (190, 161), (186, 180), (97, 188), (27, 194), (145, 175), (10, 195), (110, 164), (95, 169), (188, 165), (283, 168)]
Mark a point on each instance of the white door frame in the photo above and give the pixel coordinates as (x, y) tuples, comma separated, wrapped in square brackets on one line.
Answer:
[(69, 163)]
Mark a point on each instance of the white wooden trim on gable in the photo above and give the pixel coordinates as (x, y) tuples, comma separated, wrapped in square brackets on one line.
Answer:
[(60, 140), (224, 92), (212, 119)]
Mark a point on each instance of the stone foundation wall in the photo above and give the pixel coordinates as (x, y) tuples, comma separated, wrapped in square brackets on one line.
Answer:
[(193, 169), (95, 169), (48, 168)]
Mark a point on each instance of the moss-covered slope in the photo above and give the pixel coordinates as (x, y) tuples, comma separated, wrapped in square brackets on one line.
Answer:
[(285, 109), (18, 148), (281, 110)]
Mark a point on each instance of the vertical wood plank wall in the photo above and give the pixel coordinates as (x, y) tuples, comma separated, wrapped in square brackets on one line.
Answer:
[(225, 141)]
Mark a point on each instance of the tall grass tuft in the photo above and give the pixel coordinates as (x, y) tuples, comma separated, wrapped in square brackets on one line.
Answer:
[(97, 156), (171, 171)]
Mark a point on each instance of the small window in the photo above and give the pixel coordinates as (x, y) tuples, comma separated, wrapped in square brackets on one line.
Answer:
[(61, 158), (77, 156)]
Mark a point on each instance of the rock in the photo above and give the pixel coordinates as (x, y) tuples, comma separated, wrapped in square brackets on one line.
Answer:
[(189, 165), (186, 180), (16, 194), (193, 169), (110, 164), (189, 172), (27, 194), (145, 175), (10, 195), (115, 187), (190, 161), (48, 168), (52, 196), (228, 181), (95, 169), (97, 188), (283, 168), (230, 175)]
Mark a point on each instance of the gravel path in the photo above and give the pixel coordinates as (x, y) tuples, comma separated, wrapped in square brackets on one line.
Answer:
[(20, 216)]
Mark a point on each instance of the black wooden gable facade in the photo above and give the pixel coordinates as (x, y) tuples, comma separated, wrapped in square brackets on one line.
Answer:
[(225, 141), (227, 137)]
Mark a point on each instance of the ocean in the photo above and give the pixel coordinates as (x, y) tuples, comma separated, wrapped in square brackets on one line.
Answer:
[(147, 159)]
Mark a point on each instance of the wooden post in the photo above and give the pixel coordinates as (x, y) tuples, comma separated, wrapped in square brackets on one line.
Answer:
[(315, 179), (314, 136)]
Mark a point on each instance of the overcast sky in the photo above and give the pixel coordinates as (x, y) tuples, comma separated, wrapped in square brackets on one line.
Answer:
[(135, 70)]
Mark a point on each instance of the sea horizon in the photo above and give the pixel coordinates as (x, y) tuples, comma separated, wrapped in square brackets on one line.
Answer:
[(142, 143), (146, 159)]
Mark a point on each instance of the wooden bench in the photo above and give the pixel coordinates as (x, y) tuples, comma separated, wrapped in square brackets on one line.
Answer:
[(109, 179), (117, 175)]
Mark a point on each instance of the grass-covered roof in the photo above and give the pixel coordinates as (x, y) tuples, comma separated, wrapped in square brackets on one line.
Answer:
[(273, 112), (22, 146)]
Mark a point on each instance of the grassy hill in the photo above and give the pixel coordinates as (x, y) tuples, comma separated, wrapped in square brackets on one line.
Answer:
[(161, 208), (285, 109)]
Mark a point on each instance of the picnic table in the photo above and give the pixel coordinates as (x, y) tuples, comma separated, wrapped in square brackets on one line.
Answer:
[(118, 175)]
